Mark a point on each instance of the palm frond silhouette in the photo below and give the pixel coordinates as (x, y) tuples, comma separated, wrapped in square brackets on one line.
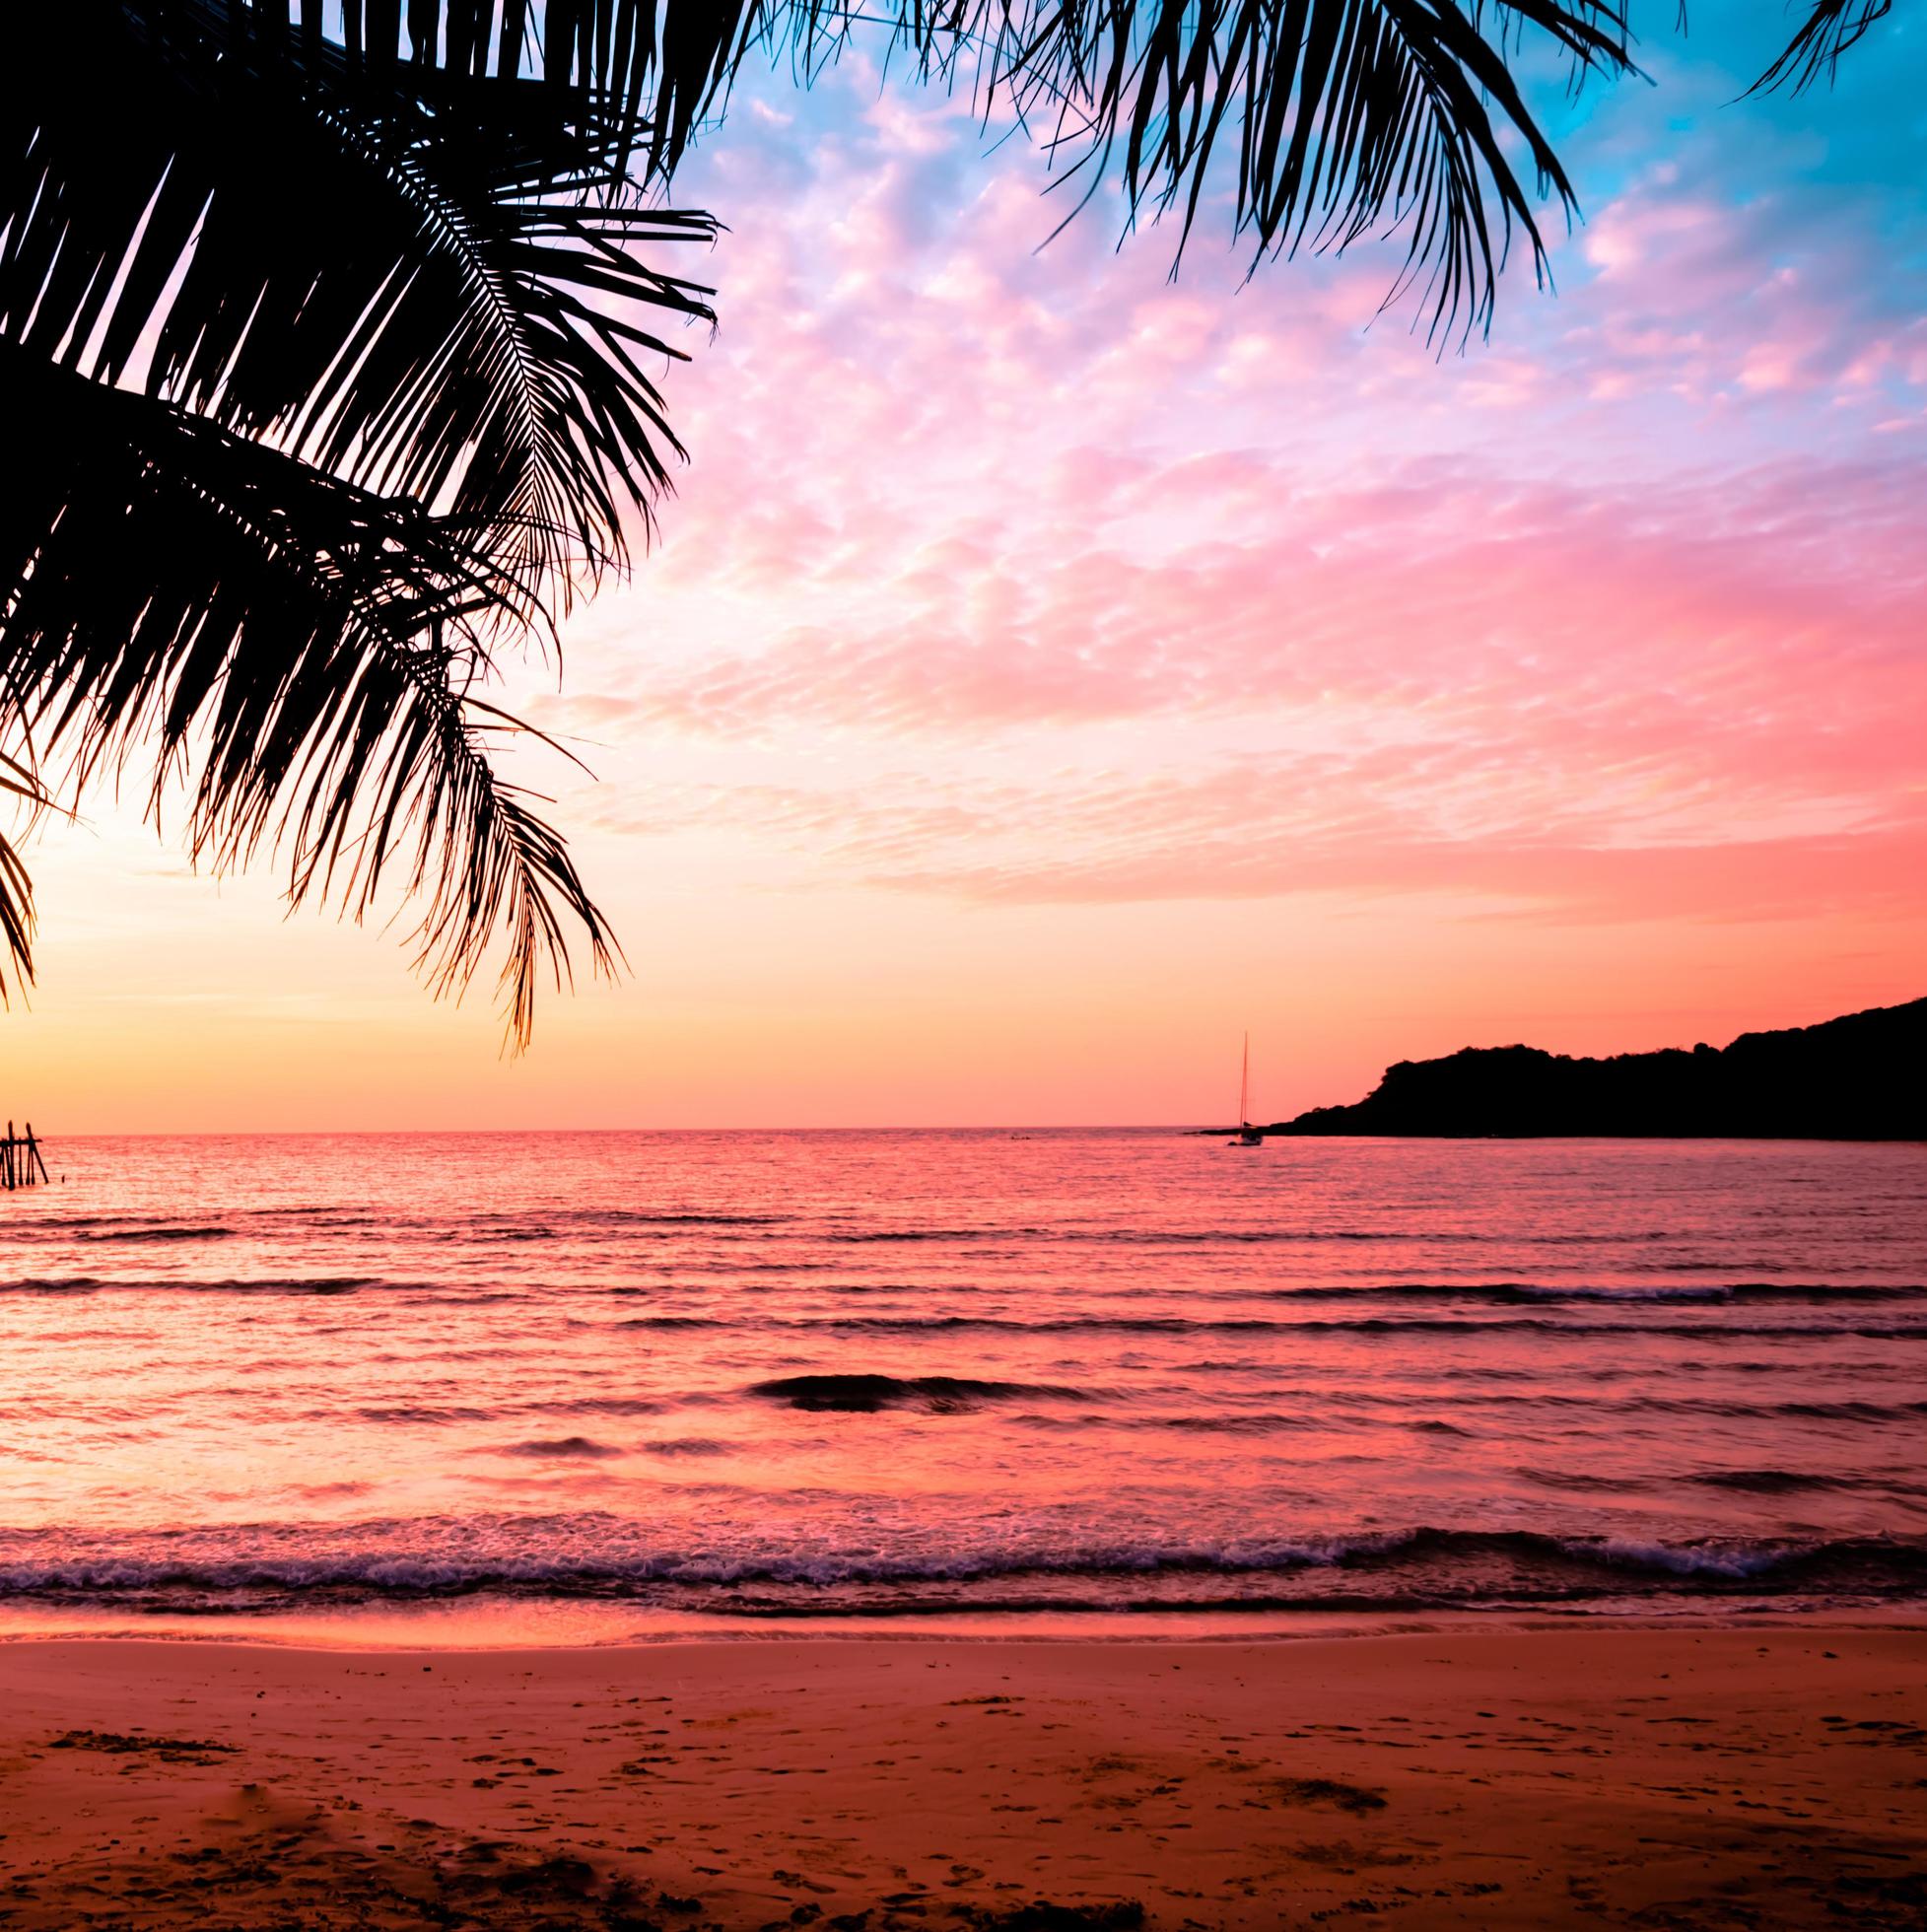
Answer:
[(327, 335)]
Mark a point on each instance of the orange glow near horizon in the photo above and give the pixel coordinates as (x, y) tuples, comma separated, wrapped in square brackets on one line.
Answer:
[(179, 1011)]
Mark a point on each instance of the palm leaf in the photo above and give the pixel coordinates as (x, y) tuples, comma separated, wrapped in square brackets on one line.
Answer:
[(304, 651), (438, 289), (1828, 32), (15, 887), (1335, 119)]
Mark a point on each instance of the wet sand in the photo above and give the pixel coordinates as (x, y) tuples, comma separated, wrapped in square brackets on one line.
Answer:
[(1571, 1777)]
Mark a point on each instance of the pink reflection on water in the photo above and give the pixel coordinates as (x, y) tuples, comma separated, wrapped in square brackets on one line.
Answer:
[(630, 1376)]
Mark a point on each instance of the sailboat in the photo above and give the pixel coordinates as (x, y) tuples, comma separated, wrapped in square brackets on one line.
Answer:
[(1248, 1136)]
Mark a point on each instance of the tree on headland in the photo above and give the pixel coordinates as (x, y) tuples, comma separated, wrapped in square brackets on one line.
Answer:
[(329, 338)]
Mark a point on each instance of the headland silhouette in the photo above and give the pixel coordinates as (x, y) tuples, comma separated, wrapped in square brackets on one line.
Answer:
[(1858, 1077)]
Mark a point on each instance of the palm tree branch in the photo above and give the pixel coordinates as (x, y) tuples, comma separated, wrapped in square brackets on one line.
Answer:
[(20, 781), (422, 290), (303, 649), (1325, 95), (1828, 32)]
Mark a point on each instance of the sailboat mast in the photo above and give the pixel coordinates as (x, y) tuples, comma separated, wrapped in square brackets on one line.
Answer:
[(1244, 1086)]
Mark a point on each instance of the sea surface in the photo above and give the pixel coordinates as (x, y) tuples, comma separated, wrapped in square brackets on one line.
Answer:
[(981, 1375)]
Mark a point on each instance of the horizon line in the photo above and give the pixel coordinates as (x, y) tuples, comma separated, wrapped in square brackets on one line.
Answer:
[(477, 1133)]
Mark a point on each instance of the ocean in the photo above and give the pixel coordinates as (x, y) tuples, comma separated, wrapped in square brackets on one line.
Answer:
[(635, 1383)]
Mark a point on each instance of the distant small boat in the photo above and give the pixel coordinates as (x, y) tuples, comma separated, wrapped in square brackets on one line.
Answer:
[(1248, 1136)]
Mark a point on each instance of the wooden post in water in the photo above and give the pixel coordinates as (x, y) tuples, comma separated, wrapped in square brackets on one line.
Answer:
[(21, 1162)]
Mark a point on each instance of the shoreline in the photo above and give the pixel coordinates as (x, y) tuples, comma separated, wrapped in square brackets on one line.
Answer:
[(472, 1627), (1495, 1776)]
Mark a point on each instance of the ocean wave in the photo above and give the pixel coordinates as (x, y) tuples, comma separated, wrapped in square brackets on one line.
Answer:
[(595, 1406), (1841, 1411), (484, 1226), (422, 1413), (1769, 1481), (1612, 1405), (1242, 1422), (158, 1233), (1182, 1237), (1248, 1236), (1578, 1481), (1726, 1561), (1427, 1564), (1354, 1325), (1548, 1324), (1609, 1311), (1536, 1294), (214, 1284), (679, 1218), (865, 1395), (31, 1223)]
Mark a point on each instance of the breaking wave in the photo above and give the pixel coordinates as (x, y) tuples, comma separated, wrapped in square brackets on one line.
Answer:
[(600, 1558)]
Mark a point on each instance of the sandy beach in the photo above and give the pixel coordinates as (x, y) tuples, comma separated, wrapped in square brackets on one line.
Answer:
[(1631, 1776)]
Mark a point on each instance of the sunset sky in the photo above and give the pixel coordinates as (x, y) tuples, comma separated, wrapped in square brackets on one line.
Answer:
[(1047, 671)]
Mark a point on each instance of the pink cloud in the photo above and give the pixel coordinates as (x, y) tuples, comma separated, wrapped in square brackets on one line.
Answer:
[(1435, 826), (1234, 591)]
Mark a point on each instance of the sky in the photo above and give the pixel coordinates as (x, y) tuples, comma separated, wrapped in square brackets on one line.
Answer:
[(1048, 670)]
